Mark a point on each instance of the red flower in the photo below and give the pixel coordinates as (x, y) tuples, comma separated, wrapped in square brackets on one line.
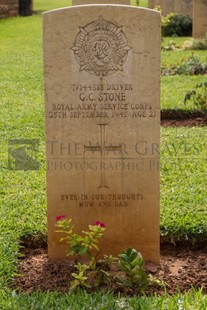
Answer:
[(60, 217), (99, 224)]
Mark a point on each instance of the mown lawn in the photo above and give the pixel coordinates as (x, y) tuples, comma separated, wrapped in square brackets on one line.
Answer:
[(23, 193)]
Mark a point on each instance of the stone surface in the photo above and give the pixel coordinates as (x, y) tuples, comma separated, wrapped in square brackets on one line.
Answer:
[(81, 2), (158, 2), (168, 6), (151, 4), (9, 8), (184, 7), (199, 18), (102, 71)]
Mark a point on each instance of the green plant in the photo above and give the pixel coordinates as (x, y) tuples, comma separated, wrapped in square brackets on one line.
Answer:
[(80, 244), (80, 278), (99, 276), (171, 46), (188, 66), (176, 25), (131, 262), (196, 44), (199, 97)]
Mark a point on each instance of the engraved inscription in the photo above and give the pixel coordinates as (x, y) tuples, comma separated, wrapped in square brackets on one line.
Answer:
[(102, 148), (102, 200), (108, 101), (101, 48)]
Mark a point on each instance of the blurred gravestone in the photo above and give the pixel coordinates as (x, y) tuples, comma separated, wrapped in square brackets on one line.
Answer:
[(9, 8), (199, 18), (25, 7), (184, 7), (158, 2), (151, 4), (168, 6)]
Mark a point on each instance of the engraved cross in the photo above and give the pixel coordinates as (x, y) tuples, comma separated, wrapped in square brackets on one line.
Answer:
[(102, 148)]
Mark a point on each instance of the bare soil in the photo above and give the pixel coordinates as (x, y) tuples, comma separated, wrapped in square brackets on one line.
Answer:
[(191, 122), (180, 118), (181, 268)]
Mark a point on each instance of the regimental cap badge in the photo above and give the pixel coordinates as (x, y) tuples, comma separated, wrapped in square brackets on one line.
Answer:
[(101, 48)]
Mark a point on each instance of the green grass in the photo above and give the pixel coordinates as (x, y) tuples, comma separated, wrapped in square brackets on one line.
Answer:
[(47, 5), (183, 179), (56, 301), (23, 193), (174, 89), (174, 57)]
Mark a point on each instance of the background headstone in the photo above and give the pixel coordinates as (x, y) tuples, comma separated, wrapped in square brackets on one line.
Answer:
[(158, 3), (199, 18), (102, 88), (4, 11), (25, 7), (82, 2), (151, 4), (184, 7), (168, 6), (9, 8)]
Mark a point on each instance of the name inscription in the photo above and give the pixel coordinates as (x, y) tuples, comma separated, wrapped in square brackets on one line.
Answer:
[(102, 101)]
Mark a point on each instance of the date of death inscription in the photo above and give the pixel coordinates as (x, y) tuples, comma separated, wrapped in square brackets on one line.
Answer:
[(101, 200), (106, 101)]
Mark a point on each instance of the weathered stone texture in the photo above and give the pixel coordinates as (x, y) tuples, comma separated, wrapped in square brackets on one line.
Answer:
[(199, 18), (9, 8), (102, 96)]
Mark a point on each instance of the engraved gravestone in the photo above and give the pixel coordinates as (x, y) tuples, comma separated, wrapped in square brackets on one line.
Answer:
[(102, 70), (199, 18), (83, 2), (184, 7)]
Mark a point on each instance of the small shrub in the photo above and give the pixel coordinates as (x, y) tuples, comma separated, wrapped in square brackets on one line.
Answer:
[(132, 264), (176, 25), (171, 46), (188, 66), (94, 274), (196, 44), (199, 97), (80, 245)]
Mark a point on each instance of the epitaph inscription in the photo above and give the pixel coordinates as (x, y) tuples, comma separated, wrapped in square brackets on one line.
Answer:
[(101, 48)]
